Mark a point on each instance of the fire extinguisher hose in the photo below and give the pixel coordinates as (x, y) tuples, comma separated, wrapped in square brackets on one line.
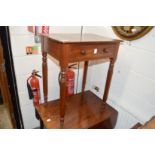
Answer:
[(29, 89)]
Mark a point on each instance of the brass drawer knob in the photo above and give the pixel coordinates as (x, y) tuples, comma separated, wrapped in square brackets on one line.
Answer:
[(105, 50), (83, 52)]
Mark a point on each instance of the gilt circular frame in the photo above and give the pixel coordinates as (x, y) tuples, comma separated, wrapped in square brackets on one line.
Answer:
[(131, 32)]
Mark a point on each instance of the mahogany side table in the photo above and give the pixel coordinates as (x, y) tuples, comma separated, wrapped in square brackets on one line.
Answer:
[(82, 110)]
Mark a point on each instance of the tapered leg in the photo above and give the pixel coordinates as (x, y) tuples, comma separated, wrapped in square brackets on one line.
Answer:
[(45, 75), (84, 75), (108, 81), (45, 78), (41, 124), (62, 80), (38, 117), (62, 96)]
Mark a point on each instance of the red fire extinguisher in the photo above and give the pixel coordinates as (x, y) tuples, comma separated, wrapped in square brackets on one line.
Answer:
[(70, 78), (33, 87)]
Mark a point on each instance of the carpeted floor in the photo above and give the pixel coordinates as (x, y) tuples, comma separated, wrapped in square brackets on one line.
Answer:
[(4, 118)]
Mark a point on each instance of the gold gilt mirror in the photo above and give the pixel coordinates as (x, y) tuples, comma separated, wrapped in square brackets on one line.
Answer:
[(131, 32)]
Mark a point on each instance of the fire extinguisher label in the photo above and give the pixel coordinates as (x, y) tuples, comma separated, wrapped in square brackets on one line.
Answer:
[(70, 87), (36, 96)]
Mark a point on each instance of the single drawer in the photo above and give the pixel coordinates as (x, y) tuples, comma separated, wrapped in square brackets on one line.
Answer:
[(91, 52)]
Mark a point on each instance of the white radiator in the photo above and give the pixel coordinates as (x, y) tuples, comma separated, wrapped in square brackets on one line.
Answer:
[(125, 120)]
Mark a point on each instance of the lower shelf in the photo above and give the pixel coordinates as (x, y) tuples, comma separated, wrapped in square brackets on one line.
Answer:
[(83, 111)]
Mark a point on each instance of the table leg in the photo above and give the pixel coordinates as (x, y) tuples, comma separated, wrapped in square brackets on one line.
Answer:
[(41, 124), (84, 75), (38, 117), (62, 96), (62, 81), (108, 81), (45, 75)]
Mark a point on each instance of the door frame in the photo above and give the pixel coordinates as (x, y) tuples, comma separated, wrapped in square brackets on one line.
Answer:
[(14, 106), (5, 89)]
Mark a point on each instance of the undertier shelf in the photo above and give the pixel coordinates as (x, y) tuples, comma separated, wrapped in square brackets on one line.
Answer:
[(82, 111)]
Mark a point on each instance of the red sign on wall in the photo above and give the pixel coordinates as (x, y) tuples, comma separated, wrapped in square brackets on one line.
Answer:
[(38, 29)]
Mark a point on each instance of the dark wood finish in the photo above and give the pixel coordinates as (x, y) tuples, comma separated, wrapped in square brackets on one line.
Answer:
[(44, 72), (103, 125), (5, 88), (41, 124), (82, 111), (86, 52), (38, 117), (68, 48), (108, 81), (136, 126), (84, 75), (89, 42), (64, 68), (109, 74)]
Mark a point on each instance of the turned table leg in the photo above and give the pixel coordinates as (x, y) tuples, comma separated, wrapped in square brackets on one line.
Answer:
[(45, 75), (63, 82), (108, 81)]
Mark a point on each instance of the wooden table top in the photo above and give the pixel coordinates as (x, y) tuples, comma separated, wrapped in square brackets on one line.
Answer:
[(76, 38)]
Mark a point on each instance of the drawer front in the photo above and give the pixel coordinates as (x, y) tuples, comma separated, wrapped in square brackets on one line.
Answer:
[(91, 52)]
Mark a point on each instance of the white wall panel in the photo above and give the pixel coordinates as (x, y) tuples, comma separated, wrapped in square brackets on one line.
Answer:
[(136, 105), (29, 118), (25, 65), (125, 119), (146, 42), (20, 42), (144, 87), (132, 86), (100, 30), (24, 98), (122, 71), (19, 30), (99, 68), (144, 62), (65, 29)]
